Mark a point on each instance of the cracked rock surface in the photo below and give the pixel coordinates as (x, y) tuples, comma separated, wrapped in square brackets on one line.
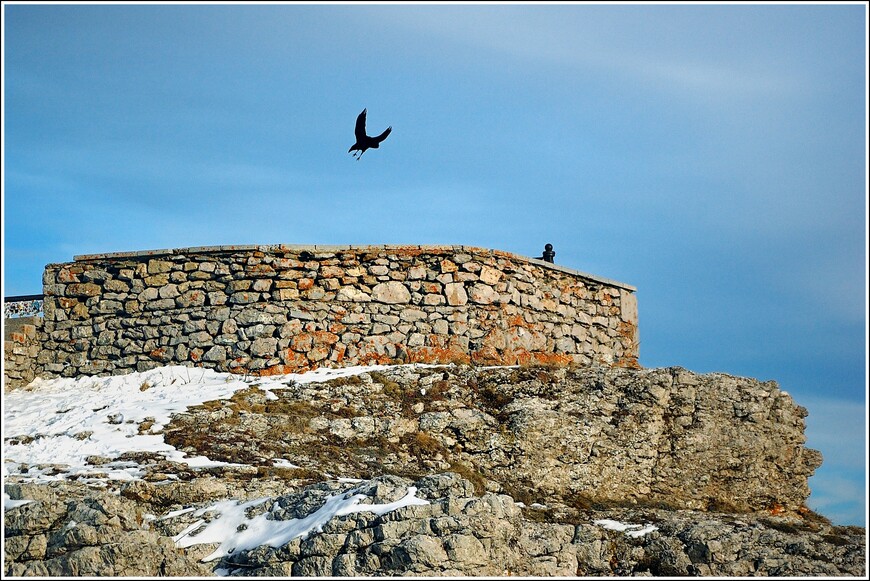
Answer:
[(581, 436), (530, 471), (75, 531)]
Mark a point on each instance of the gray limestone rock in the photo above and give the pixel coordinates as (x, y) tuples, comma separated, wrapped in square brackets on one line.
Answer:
[(456, 534), (515, 466)]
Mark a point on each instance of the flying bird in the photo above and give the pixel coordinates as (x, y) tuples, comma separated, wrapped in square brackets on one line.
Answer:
[(363, 141)]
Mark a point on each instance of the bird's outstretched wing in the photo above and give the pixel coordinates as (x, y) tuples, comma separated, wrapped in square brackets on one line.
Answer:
[(383, 135), (360, 130)]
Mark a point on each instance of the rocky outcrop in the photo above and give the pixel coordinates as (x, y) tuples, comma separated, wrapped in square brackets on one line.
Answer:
[(71, 530), (451, 532), (457, 471), (586, 437)]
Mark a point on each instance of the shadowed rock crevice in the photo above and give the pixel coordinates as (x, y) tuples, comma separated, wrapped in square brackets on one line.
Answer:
[(586, 437), (452, 532), (531, 471)]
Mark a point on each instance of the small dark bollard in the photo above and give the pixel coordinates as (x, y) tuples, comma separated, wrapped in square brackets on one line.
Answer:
[(548, 253)]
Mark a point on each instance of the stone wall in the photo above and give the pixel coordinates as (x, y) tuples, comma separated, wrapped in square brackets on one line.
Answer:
[(21, 346), (281, 309)]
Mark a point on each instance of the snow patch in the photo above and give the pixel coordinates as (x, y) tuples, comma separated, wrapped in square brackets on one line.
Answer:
[(234, 531), (283, 463), (615, 525), (52, 426), (9, 503)]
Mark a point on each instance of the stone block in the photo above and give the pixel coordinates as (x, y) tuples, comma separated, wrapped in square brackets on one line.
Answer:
[(433, 299), (239, 285), (148, 294), (412, 315), (332, 272), (565, 345), (86, 289), (217, 353), (191, 298), (490, 275), (391, 292), (447, 266), (318, 353), (244, 298), (301, 342), (286, 294), (117, 286), (455, 293), (170, 291), (200, 339), (262, 284), (380, 329), (351, 293), (159, 266), (157, 280), (315, 294), (217, 298), (483, 294), (161, 305), (264, 346), (64, 276), (628, 306)]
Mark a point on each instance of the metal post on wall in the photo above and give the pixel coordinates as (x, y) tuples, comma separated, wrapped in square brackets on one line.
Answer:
[(548, 253)]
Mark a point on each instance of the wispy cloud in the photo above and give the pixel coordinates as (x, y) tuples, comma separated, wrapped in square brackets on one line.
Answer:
[(585, 39), (841, 499), (838, 428)]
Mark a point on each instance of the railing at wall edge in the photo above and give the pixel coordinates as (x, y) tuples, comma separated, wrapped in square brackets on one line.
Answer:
[(22, 306)]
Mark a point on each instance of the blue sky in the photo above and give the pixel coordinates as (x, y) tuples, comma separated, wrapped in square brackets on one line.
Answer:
[(714, 156)]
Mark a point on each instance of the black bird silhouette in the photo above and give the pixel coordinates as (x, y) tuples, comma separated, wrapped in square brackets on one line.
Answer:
[(363, 141)]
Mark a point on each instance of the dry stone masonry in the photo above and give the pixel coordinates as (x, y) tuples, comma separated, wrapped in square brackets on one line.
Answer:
[(518, 466), (21, 346), (280, 309)]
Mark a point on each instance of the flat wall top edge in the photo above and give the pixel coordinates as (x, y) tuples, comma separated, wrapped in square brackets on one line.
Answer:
[(329, 248)]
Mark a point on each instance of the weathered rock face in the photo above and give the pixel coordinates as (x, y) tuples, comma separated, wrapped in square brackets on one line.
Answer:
[(586, 437), (518, 471), (281, 309), (73, 531), (70, 530)]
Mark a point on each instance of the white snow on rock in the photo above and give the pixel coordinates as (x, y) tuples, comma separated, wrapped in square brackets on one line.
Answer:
[(236, 532), (52, 426), (628, 529)]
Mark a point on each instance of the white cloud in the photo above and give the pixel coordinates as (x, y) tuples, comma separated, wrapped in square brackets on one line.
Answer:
[(842, 500), (584, 38), (838, 428)]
